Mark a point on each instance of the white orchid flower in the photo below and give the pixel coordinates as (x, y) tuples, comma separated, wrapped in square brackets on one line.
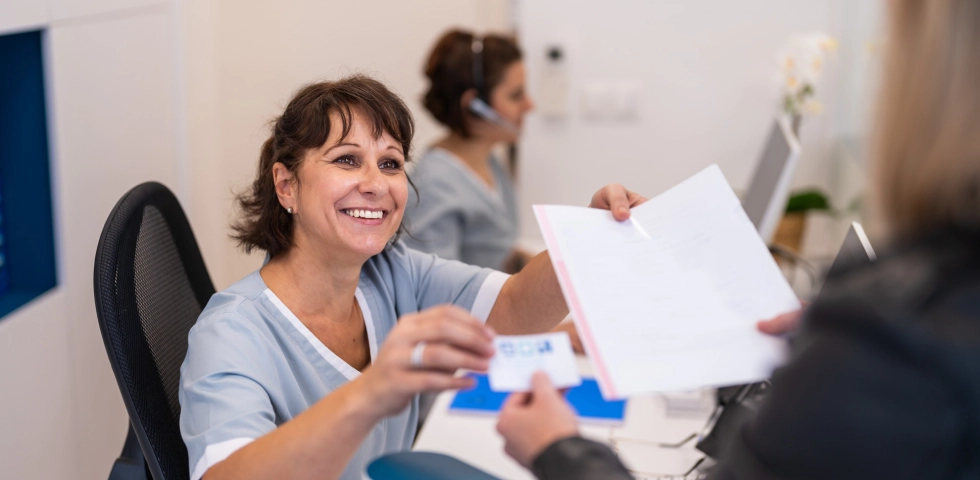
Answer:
[(801, 64)]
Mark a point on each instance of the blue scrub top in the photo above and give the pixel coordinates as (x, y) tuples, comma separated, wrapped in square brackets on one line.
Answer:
[(456, 215), (251, 365)]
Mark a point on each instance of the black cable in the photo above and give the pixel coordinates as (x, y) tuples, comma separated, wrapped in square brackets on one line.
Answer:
[(794, 258)]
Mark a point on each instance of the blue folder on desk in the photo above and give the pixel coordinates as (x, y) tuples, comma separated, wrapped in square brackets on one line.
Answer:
[(585, 398)]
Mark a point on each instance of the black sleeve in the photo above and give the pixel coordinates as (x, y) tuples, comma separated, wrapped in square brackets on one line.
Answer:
[(575, 458), (860, 400)]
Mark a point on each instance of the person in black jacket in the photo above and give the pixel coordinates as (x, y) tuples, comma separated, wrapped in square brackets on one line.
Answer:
[(884, 381)]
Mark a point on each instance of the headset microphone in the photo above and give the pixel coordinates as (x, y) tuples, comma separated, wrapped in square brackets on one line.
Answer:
[(478, 106)]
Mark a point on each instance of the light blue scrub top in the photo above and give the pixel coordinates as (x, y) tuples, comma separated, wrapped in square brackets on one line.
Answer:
[(251, 365), (456, 215)]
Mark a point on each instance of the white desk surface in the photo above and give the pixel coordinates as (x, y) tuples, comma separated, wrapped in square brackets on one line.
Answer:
[(473, 438)]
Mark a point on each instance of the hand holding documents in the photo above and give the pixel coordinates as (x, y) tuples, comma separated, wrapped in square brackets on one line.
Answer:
[(519, 356), (668, 300)]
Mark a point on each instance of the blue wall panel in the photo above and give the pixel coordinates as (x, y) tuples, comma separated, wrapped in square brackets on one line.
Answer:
[(26, 221)]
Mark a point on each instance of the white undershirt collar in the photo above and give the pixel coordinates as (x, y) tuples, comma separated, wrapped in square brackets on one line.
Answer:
[(343, 367)]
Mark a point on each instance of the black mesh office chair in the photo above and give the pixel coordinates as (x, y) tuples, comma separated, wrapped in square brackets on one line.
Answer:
[(150, 286)]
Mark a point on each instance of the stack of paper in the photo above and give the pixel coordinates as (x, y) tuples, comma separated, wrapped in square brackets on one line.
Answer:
[(669, 299)]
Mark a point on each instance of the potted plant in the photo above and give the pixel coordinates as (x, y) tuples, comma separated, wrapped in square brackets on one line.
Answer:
[(789, 233)]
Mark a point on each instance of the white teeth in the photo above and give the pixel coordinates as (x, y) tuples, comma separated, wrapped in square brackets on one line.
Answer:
[(364, 213)]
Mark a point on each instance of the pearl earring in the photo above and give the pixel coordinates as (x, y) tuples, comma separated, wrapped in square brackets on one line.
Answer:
[(289, 210)]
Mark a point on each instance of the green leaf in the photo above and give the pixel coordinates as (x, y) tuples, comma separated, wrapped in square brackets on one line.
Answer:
[(807, 200)]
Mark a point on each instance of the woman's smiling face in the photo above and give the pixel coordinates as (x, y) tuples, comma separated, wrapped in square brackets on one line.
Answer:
[(348, 196)]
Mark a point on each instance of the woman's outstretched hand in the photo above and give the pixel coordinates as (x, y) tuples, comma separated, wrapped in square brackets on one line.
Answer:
[(617, 199)]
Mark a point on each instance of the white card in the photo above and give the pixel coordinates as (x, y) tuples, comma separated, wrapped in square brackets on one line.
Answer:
[(519, 356)]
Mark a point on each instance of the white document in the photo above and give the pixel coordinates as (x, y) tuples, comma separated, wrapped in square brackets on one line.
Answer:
[(668, 301), (519, 356)]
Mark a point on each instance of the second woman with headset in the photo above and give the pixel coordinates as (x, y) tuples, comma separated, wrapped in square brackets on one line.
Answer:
[(466, 208)]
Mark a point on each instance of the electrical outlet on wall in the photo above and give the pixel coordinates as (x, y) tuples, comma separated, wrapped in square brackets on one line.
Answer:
[(626, 102), (608, 101), (596, 99)]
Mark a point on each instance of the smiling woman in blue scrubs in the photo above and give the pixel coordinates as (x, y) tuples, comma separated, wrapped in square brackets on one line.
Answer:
[(311, 366)]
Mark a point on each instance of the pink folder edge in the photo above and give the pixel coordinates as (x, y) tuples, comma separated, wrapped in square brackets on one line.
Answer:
[(606, 385)]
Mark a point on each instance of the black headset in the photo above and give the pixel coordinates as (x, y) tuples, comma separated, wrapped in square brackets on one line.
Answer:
[(479, 106)]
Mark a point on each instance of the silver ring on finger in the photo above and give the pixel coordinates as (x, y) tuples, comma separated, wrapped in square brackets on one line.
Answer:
[(417, 352)]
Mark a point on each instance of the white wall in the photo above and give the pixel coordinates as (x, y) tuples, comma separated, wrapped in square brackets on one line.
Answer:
[(114, 92), (706, 77), (22, 15), (37, 439), (111, 73)]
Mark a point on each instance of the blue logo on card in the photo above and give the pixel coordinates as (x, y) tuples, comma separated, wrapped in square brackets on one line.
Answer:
[(525, 348)]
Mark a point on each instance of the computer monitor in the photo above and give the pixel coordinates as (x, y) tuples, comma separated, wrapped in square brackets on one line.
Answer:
[(765, 200), (855, 250)]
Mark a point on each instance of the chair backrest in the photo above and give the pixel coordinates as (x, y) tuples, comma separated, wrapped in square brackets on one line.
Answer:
[(150, 286)]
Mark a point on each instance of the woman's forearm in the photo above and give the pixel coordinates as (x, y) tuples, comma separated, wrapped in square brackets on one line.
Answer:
[(315, 444), (530, 301)]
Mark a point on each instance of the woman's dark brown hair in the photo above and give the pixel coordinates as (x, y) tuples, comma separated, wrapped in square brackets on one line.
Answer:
[(304, 125), (450, 72)]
